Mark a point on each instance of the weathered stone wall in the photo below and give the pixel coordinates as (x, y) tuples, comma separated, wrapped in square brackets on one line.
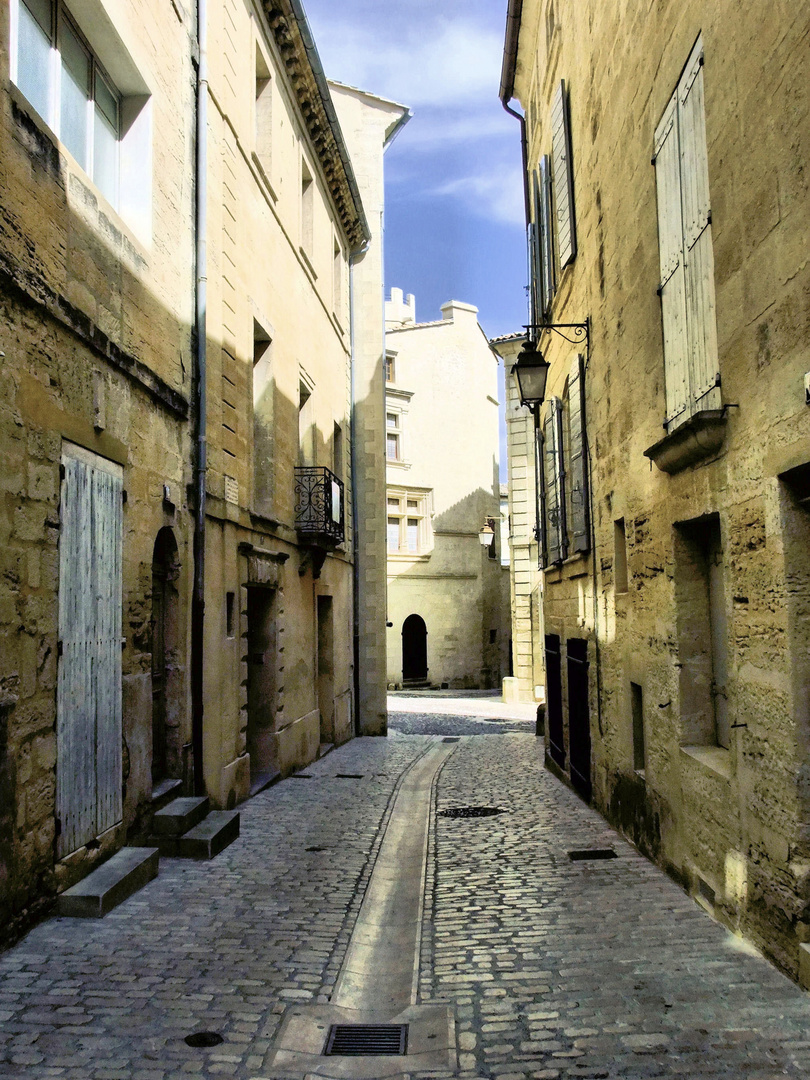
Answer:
[(95, 350), (730, 822)]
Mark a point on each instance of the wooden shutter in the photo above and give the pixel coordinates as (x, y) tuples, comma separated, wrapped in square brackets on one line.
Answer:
[(563, 177), (534, 280), (88, 726), (578, 458), (670, 251), (540, 494), (546, 239), (701, 317), (556, 542)]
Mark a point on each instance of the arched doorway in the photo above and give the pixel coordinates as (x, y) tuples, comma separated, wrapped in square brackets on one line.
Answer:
[(414, 649), (165, 569)]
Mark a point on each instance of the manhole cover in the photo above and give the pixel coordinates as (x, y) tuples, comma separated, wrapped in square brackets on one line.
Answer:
[(471, 811), (592, 853), (365, 1040), (204, 1038)]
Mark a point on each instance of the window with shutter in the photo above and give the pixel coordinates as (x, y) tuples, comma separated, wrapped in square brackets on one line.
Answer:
[(562, 163), (577, 458), (554, 476), (545, 239), (685, 250)]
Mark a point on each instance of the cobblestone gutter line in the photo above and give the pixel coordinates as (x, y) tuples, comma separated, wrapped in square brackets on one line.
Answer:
[(222, 946), (563, 969)]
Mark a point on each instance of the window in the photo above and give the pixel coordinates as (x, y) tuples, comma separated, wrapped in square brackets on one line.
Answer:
[(637, 712), (263, 421), (393, 446), (264, 111), (685, 250), (409, 528), (60, 75), (390, 368), (229, 614), (702, 632), (619, 556), (337, 278), (541, 243), (307, 207), (306, 424), (554, 532)]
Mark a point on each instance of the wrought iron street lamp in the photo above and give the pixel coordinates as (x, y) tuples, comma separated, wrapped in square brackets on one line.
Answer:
[(531, 375)]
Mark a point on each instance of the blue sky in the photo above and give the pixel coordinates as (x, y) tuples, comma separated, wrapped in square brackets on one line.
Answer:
[(454, 200)]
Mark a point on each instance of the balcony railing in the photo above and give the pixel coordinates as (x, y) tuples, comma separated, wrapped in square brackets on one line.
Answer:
[(319, 511)]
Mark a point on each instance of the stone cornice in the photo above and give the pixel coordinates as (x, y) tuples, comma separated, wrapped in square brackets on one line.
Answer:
[(289, 27)]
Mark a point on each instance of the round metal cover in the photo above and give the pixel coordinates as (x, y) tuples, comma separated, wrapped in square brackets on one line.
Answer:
[(471, 811), (204, 1038)]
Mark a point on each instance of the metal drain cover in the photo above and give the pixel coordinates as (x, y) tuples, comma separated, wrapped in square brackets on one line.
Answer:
[(592, 853), (471, 811), (366, 1040)]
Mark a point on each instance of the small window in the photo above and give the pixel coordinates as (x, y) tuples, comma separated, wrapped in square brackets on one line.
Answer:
[(393, 447), (337, 278), (637, 710), (390, 369), (307, 207), (264, 112), (493, 636), (619, 556), (229, 614)]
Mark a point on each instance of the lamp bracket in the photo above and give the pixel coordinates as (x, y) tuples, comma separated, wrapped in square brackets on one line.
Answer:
[(579, 333)]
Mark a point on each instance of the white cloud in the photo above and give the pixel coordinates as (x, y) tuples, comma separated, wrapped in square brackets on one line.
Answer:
[(496, 194)]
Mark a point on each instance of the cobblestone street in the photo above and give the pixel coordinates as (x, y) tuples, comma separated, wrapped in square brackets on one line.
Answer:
[(555, 968)]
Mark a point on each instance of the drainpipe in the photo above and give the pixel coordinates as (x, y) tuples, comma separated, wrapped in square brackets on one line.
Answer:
[(200, 402), (353, 258)]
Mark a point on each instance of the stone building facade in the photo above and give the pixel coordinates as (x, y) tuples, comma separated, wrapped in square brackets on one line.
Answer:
[(127, 243), (668, 206), (96, 250), (448, 607)]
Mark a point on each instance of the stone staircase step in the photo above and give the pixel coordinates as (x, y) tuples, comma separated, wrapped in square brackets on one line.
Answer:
[(110, 884), (179, 816), (207, 839)]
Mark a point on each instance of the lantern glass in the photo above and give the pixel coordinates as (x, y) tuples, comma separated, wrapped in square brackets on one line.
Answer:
[(531, 373)]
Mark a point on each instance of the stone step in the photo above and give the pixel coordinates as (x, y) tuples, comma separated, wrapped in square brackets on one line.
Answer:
[(110, 884), (207, 839), (179, 816)]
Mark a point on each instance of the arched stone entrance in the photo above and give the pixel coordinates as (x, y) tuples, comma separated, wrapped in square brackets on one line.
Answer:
[(165, 571), (414, 649)]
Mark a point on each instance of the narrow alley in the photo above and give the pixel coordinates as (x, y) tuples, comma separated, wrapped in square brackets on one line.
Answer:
[(546, 966)]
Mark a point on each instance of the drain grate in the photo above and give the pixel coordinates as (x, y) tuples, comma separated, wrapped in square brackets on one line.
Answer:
[(471, 811), (592, 853), (315, 848), (204, 1038), (366, 1040), (451, 738), (349, 775)]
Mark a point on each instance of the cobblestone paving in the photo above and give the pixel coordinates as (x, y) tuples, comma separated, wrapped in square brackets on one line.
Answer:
[(478, 713), (557, 969), (223, 946), (585, 969)]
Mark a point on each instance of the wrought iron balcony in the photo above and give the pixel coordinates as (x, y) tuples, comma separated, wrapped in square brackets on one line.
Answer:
[(319, 510)]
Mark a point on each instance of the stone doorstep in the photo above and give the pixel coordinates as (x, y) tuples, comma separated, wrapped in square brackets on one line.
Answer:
[(179, 816), (300, 1040), (110, 884), (212, 835)]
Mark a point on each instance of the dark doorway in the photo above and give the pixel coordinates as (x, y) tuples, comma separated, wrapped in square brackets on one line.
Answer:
[(554, 716), (165, 568), (261, 688), (326, 669), (414, 649), (579, 721)]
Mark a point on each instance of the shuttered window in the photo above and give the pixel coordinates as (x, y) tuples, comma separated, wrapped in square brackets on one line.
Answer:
[(554, 483), (562, 163), (685, 250), (88, 724), (577, 458)]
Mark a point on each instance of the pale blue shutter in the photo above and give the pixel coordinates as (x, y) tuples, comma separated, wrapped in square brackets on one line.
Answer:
[(563, 177), (670, 251), (577, 474), (556, 541), (701, 316), (546, 239)]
